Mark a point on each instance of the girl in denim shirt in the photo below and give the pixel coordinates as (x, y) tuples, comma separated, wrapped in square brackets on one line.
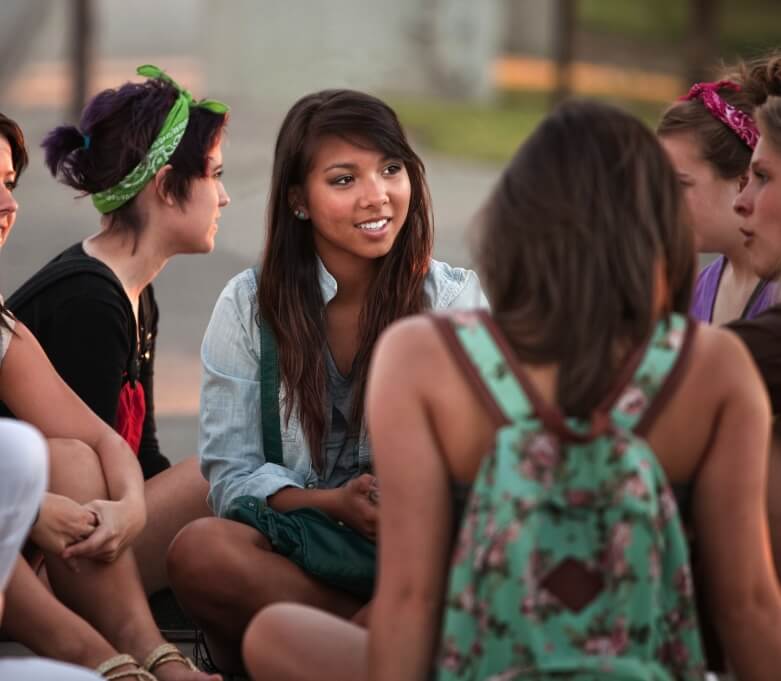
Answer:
[(348, 251)]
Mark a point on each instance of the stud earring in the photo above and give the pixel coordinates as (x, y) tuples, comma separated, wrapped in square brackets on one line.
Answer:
[(300, 213)]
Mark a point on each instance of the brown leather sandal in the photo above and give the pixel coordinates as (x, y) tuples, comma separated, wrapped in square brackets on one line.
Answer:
[(167, 652), (110, 669)]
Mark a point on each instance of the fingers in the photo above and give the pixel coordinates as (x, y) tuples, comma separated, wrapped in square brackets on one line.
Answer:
[(369, 518), (365, 483), (83, 527), (102, 544), (85, 548)]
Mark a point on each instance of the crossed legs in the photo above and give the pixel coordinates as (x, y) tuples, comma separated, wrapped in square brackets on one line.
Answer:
[(113, 614), (224, 572)]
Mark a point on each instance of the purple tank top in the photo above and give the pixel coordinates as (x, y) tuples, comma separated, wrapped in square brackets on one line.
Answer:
[(707, 286)]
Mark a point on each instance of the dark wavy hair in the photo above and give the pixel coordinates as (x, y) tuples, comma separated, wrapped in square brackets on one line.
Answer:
[(12, 132), (122, 123), (289, 295), (571, 241)]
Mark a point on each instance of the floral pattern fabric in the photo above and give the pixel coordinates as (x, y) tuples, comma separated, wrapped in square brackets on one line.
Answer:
[(571, 560)]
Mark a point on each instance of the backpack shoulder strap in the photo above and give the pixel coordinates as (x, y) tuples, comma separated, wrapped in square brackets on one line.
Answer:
[(480, 351), (269, 394), (657, 375)]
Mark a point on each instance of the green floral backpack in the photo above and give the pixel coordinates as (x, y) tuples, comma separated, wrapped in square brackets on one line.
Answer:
[(571, 561)]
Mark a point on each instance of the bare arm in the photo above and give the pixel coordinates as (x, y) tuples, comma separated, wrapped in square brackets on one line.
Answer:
[(415, 511), (731, 523), (350, 503), (35, 393)]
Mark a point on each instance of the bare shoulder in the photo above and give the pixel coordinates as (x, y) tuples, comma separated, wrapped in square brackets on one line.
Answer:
[(720, 356), (411, 348), (413, 338), (22, 343)]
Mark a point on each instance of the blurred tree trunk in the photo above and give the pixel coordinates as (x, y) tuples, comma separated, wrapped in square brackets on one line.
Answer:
[(563, 49), (81, 52), (703, 39)]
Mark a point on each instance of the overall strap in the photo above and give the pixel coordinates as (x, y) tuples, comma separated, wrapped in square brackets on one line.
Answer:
[(269, 395), (474, 343), (657, 375)]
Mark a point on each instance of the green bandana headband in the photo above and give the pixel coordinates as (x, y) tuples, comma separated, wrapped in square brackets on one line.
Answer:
[(162, 148)]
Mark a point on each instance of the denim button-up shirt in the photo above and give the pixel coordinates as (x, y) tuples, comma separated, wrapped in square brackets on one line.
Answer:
[(230, 442)]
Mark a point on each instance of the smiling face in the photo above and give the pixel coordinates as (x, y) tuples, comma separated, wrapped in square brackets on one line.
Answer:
[(193, 223), (357, 200), (759, 204), (708, 196), (8, 205)]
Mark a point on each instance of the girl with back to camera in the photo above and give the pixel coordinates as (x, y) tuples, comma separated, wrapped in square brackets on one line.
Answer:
[(709, 135), (348, 251), (589, 271)]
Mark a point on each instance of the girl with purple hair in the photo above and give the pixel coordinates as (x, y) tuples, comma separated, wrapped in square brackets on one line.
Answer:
[(150, 157)]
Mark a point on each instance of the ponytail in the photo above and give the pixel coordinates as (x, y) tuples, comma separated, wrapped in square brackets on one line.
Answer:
[(761, 80), (63, 147)]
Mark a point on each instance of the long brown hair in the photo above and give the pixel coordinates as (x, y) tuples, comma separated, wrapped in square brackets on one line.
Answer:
[(289, 295), (571, 242)]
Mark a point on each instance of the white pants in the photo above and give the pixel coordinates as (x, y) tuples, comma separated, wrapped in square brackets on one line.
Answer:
[(24, 465), (36, 669)]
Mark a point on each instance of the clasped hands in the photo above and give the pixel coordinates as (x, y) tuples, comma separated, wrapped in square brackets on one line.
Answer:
[(99, 529)]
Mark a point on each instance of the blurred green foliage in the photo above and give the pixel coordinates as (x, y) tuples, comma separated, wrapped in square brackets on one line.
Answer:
[(746, 27), (486, 131), (489, 131)]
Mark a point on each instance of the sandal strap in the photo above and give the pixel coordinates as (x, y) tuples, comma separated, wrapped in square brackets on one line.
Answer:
[(138, 674), (113, 662), (165, 653), (108, 669)]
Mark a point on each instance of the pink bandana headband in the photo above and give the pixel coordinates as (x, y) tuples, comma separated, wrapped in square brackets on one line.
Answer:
[(736, 120)]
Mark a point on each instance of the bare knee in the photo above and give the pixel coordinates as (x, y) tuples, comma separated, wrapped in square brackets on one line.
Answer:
[(205, 554), (76, 470), (260, 645)]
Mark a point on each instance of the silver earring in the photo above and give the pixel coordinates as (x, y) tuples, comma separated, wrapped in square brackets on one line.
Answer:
[(300, 213)]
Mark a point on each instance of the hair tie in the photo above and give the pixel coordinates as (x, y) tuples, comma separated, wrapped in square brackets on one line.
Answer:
[(86, 140), (741, 123)]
